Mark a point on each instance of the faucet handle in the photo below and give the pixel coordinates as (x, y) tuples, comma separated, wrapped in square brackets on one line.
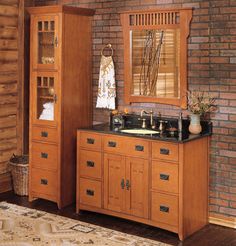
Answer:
[(143, 123)]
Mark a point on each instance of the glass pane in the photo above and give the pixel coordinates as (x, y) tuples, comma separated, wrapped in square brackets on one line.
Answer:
[(46, 36), (45, 98), (155, 63)]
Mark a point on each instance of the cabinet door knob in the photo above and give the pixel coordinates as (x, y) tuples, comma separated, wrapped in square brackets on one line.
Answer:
[(56, 42), (164, 176), (139, 148), (44, 181), (90, 164), (122, 184), (112, 144), (164, 151), (164, 209), (90, 192), (44, 134), (90, 141), (44, 155)]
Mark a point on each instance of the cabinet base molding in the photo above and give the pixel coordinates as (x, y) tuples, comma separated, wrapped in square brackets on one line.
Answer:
[(5, 182), (223, 221), (128, 217)]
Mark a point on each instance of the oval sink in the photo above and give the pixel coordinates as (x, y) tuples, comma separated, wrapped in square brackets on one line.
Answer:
[(139, 131)]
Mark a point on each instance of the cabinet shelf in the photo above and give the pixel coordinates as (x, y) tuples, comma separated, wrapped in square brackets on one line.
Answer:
[(46, 97)]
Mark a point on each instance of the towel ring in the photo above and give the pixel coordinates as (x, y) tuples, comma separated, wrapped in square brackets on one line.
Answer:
[(109, 47)]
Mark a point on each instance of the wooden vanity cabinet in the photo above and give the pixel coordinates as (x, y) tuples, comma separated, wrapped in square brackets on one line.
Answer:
[(60, 98), (160, 183)]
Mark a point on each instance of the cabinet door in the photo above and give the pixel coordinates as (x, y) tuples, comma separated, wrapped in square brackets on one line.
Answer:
[(44, 98), (114, 182), (45, 42), (137, 187)]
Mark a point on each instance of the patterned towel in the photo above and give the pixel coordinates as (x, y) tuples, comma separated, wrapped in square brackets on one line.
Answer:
[(106, 86)]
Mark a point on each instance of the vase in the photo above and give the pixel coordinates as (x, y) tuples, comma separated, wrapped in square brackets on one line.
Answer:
[(195, 125)]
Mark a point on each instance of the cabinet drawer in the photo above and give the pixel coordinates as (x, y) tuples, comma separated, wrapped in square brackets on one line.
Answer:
[(114, 144), (90, 140), (164, 208), (90, 163), (137, 147), (44, 182), (44, 134), (165, 176), (165, 151), (44, 156), (90, 192)]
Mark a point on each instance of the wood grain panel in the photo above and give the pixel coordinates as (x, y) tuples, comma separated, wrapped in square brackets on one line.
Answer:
[(90, 192), (44, 182), (8, 32), (165, 208), (165, 176), (165, 151), (8, 21), (8, 10), (8, 88), (9, 80), (44, 156), (8, 44), (195, 167), (90, 164)]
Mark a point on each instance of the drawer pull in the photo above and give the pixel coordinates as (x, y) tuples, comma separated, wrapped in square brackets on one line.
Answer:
[(44, 134), (127, 184), (139, 148), (112, 144), (164, 151), (164, 176), (90, 192), (90, 141), (44, 155), (90, 164), (164, 209), (44, 181)]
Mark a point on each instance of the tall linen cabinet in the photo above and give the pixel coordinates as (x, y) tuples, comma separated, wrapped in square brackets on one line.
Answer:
[(60, 98)]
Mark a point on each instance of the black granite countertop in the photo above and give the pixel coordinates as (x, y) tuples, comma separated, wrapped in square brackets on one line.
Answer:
[(178, 138)]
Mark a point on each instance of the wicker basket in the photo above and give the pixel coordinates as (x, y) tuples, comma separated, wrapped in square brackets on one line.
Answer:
[(20, 177)]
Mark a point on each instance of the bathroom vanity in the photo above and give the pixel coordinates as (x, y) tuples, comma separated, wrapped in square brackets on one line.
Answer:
[(154, 179)]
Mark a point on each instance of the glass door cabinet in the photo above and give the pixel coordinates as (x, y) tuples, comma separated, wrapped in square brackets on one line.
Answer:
[(45, 42), (60, 90)]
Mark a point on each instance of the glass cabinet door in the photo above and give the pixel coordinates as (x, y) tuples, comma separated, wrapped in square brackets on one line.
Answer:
[(45, 43), (45, 106)]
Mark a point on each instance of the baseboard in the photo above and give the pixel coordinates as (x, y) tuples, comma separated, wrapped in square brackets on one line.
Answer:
[(5, 182), (223, 221)]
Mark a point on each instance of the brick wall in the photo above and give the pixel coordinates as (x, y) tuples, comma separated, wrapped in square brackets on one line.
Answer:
[(211, 67)]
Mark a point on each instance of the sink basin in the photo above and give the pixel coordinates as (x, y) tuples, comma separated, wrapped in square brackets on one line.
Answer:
[(139, 131)]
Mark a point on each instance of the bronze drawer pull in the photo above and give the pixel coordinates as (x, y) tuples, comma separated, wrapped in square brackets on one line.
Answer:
[(44, 181), (90, 164), (127, 184), (44, 134), (90, 192), (164, 151), (112, 144), (90, 141), (139, 148), (164, 176), (164, 209), (44, 155)]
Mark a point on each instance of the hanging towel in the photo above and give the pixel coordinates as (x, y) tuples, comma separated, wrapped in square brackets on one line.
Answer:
[(106, 85)]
